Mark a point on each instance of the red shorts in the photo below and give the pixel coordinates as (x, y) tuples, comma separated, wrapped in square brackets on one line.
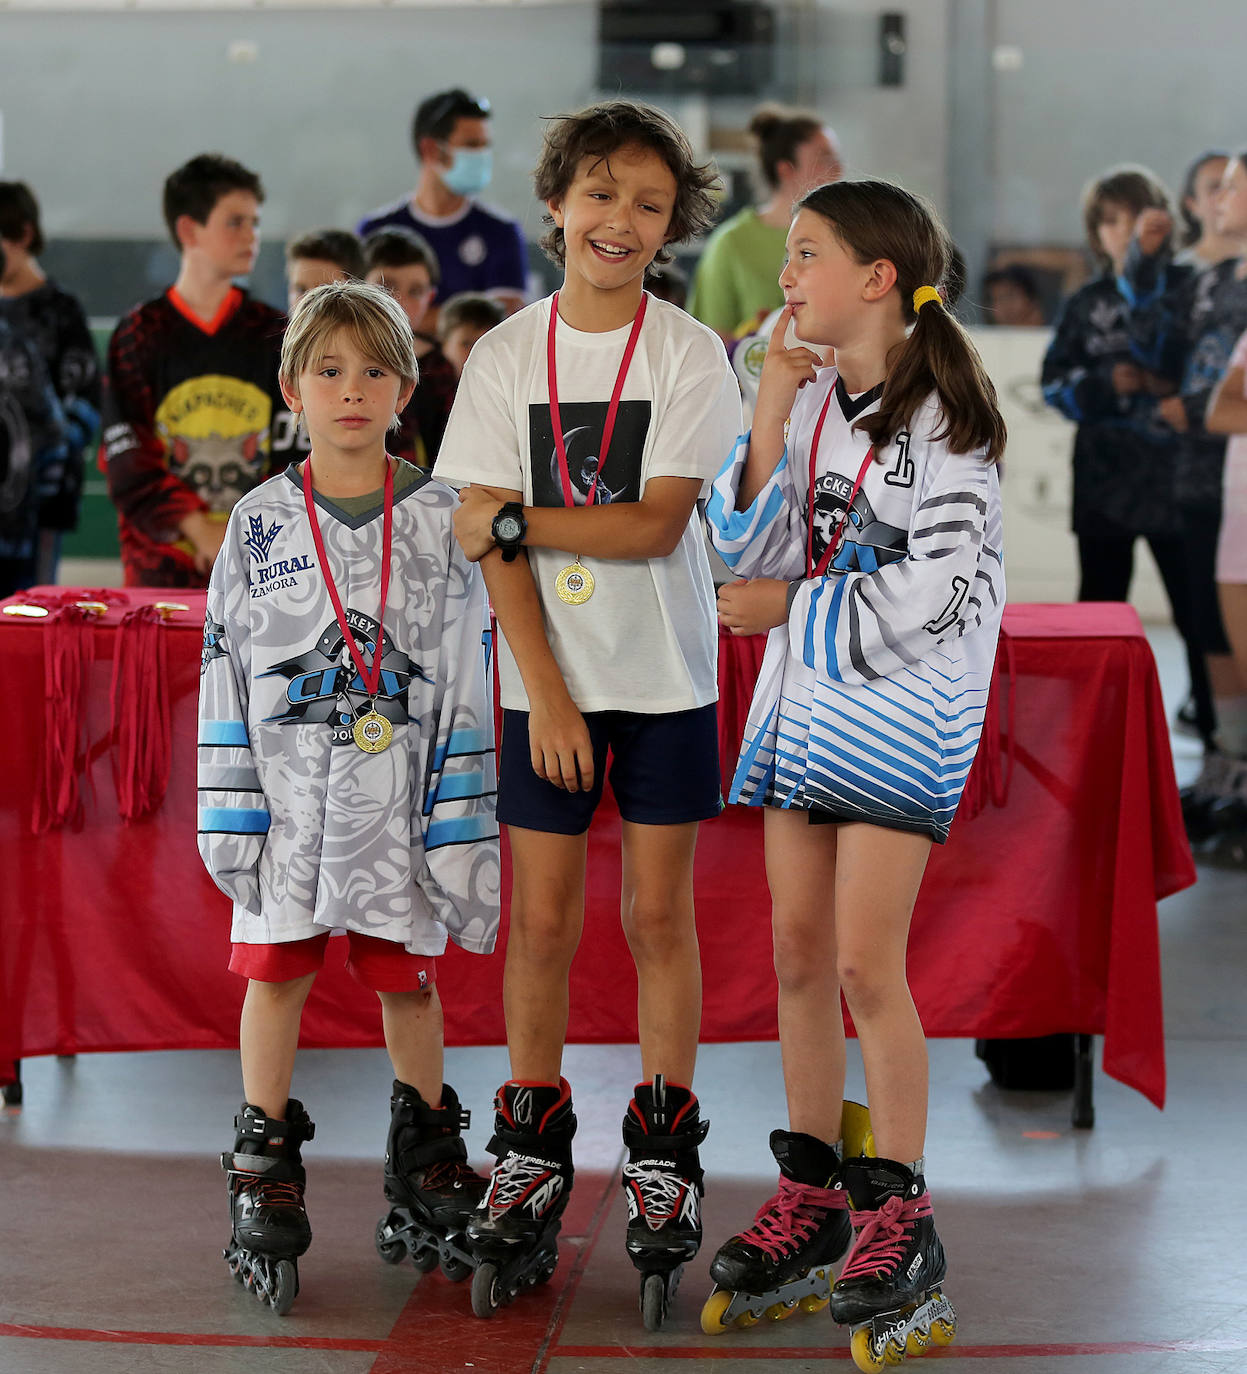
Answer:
[(380, 965)]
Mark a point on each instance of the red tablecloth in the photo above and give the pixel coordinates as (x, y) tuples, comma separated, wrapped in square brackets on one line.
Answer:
[(1036, 918)]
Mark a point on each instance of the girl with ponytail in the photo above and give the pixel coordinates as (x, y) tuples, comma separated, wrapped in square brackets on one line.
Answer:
[(862, 516)]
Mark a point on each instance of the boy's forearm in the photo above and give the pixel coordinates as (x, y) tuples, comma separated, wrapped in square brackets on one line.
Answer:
[(518, 610), (630, 529)]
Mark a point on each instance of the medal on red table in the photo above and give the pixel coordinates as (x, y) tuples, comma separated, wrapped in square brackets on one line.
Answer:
[(574, 584), (833, 544), (372, 732)]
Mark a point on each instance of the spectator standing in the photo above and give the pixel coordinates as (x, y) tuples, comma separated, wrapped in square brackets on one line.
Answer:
[(1202, 244), (403, 263), (477, 248), (47, 316), (192, 384), (737, 278)]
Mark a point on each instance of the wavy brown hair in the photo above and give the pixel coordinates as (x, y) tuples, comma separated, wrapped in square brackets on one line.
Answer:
[(877, 219), (603, 129)]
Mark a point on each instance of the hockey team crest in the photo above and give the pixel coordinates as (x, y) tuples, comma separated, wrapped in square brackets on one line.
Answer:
[(323, 685)]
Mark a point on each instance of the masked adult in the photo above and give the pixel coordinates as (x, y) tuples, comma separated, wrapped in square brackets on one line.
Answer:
[(478, 249)]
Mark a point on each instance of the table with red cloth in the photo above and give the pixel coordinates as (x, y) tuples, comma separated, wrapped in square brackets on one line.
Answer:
[(1038, 916)]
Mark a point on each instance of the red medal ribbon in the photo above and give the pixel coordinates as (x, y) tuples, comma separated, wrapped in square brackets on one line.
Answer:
[(829, 551), (608, 429), (371, 679)]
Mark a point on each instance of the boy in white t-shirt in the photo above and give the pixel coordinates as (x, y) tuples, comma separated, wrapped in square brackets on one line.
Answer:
[(587, 425)]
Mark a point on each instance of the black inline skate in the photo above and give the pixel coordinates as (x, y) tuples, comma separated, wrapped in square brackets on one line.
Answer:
[(514, 1231), (268, 1221), (782, 1263), (430, 1183), (662, 1181), (889, 1289)]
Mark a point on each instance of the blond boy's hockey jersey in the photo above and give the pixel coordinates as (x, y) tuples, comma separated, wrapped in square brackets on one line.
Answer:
[(301, 828)]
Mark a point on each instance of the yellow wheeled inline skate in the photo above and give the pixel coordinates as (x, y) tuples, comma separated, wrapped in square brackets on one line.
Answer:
[(889, 1292), (782, 1263)]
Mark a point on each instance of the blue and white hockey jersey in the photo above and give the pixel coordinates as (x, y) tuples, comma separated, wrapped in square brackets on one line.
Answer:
[(300, 827), (870, 700)]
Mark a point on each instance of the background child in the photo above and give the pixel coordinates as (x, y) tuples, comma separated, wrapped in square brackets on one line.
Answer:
[(1202, 244), (1123, 450), (462, 322), (402, 261), (1187, 323), (54, 321), (318, 257), (617, 652), (346, 772), (192, 384), (865, 506), (32, 453)]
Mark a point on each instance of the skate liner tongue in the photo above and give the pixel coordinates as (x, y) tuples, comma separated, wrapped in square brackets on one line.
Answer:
[(804, 1158), (870, 1182)]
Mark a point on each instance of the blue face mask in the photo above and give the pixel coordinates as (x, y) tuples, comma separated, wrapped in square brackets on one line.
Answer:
[(470, 171)]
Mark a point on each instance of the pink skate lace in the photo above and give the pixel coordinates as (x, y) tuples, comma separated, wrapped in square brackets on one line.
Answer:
[(792, 1216), (881, 1236)]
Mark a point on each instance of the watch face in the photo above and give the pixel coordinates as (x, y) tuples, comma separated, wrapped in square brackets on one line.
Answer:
[(507, 529)]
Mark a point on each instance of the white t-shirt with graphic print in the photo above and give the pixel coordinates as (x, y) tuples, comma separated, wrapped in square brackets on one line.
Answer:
[(647, 639)]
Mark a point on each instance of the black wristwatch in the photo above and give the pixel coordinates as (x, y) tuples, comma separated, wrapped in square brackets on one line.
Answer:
[(509, 529)]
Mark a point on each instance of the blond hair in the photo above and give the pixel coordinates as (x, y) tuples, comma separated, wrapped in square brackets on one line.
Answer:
[(369, 314)]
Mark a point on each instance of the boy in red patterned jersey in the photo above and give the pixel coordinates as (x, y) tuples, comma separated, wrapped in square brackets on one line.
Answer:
[(192, 384)]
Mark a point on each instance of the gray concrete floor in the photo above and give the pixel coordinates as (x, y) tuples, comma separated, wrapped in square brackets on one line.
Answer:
[(1117, 1251)]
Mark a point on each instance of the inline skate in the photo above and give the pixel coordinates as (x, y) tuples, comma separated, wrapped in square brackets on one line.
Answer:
[(662, 1181), (268, 1222), (889, 1291), (782, 1263), (513, 1233), (428, 1180)]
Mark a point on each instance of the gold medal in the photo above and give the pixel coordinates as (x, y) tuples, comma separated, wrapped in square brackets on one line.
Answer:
[(31, 612), (372, 733), (574, 584)]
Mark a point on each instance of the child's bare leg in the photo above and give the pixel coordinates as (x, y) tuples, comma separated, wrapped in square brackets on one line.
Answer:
[(268, 1037), (878, 873), (801, 873), (414, 1031), (658, 920), (1233, 596), (547, 916)]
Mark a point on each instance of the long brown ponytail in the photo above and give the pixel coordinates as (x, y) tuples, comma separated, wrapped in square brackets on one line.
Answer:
[(877, 219)]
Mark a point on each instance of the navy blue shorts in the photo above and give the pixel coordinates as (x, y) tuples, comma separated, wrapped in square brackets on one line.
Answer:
[(664, 770)]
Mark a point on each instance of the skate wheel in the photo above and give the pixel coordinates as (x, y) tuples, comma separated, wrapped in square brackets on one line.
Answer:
[(864, 1356), (485, 1292), (653, 1301), (812, 1303), (894, 1351), (780, 1311), (942, 1332), (545, 1270), (918, 1342), (425, 1260), (455, 1270), (712, 1311), (391, 1251), (285, 1287), (746, 1320)]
